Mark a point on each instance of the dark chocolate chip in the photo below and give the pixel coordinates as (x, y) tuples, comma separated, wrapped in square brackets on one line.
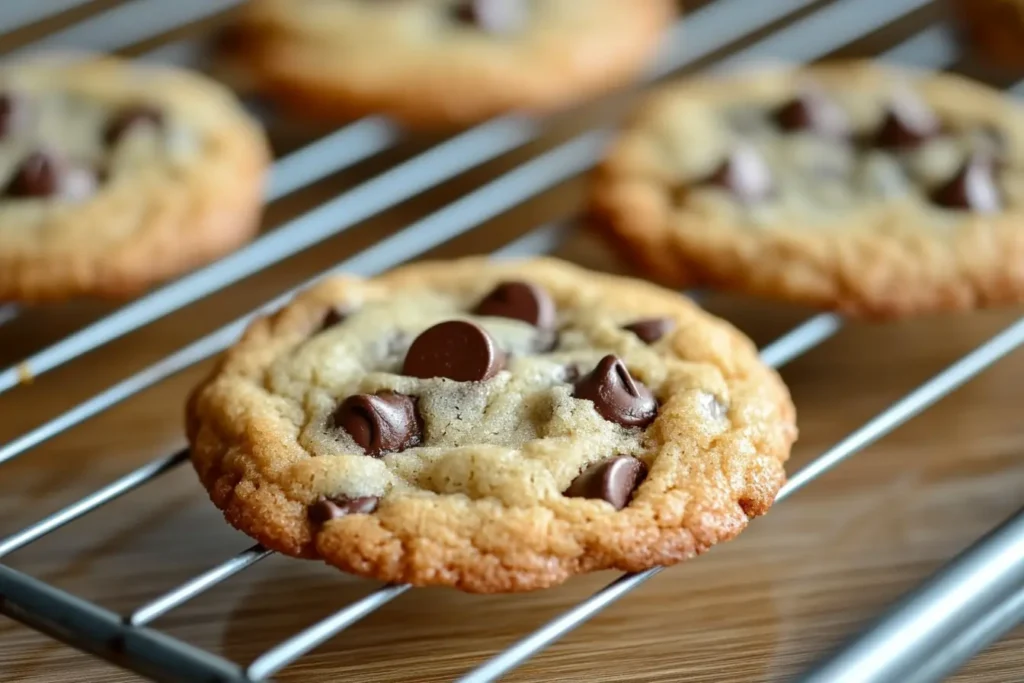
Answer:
[(456, 349), (333, 508), (651, 330), (617, 397), (972, 188), (613, 480), (492, 16), (385, 422), (520, 301), (811, 110), (128, 118), (745, 174), (334, 316), (908, 123), (39, 175)]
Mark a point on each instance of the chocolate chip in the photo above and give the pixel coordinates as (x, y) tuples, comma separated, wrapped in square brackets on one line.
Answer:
[(128, 118), (907, 124), (617, 397), (811, 110), (745, 174), (385, 422), (520, 301), (333, 316), (612, 480), (333, 508), (571, 373), (492, 16), (546, 341), (455, 349), (651, 330), (11, 114), (972, 188), (39, 175)]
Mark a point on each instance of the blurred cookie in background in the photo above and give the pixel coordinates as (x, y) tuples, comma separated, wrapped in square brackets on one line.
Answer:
[(437, 63), (115, 176), (851, 186)]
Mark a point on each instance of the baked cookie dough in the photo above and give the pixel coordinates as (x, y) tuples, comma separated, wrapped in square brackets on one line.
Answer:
[(438, 63), (850, 186), (115, 176), (491, 426)]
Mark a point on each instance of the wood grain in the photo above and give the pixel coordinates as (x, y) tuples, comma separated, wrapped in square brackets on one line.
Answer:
[(758, 609)]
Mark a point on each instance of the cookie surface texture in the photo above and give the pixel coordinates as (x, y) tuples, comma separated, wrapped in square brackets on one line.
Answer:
[(847, 186), (491, 426), (115, 176), (439, 63)]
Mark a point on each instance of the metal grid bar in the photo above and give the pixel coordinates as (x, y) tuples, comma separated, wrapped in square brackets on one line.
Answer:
[(713, 27), (914, 632), (806, 335), (14, 15), (125, 24)]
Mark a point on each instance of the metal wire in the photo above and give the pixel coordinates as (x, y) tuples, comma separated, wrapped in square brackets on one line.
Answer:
[(917, 630), (279, 657), (712, 27), (198, 584), (94, 500), (14, 15)]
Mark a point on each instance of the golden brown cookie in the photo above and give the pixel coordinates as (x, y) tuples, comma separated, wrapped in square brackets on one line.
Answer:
[(491, 426), (994, 29), (436, 63), (115, 176), (847, 186)]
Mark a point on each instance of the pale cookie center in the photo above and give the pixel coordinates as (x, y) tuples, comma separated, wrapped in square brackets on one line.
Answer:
[(816, 156), (504, 398), (63, 146)]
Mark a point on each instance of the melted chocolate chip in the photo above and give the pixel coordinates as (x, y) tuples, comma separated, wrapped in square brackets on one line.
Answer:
[(745, 174), (612, 480), (334, 508), (972, 188), (39, 175), (386, 422), (811, 110), (457, 350), (520, 301), (333, 316), (651, 330), (128, 118), (908, 123), (617, 397), (492, 16)]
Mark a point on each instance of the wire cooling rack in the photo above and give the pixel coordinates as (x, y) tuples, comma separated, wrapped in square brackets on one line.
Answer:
[(970, 603)]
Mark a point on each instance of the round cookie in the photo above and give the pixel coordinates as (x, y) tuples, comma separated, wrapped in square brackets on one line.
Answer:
[(491, 426), (994, 29), (438, 63), (115, 176), (849, 186)]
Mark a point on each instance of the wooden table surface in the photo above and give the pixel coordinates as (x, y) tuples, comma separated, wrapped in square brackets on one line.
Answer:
[(758, 609)]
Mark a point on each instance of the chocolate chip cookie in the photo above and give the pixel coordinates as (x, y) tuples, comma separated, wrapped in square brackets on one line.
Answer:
[(848, 186), (115, 176), (994, 29), (491, 426), (436, 63)]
